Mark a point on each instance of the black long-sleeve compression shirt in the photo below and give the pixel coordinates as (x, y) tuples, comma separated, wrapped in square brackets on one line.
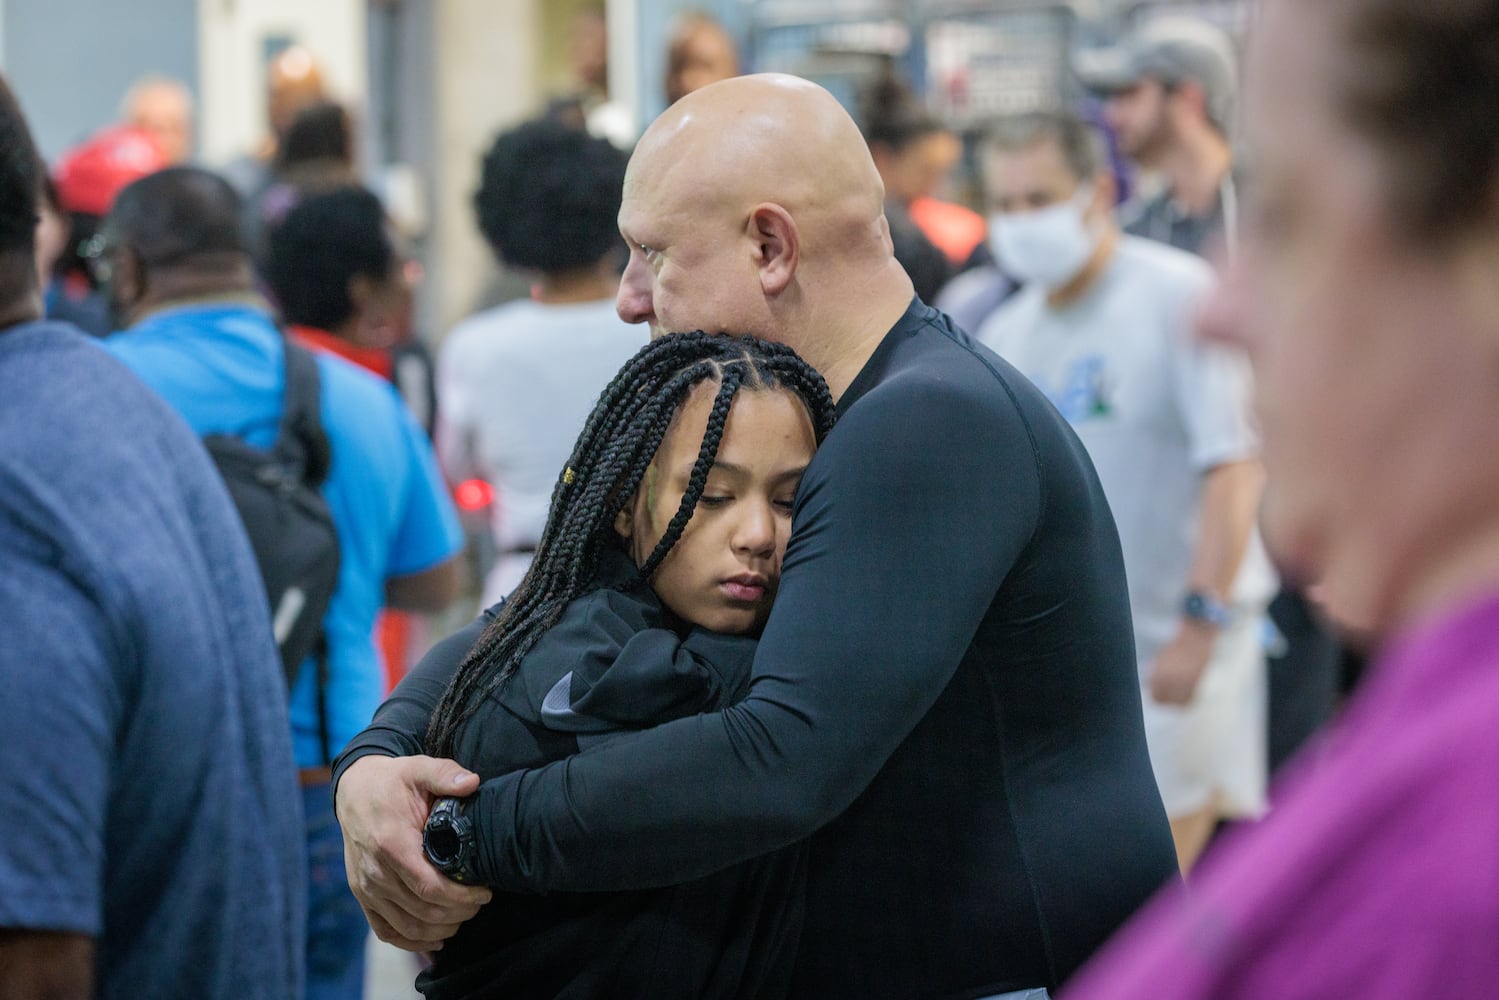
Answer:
[(945, 697)]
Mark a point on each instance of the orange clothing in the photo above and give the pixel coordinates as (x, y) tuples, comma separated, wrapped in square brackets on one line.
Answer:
[(953, 229)]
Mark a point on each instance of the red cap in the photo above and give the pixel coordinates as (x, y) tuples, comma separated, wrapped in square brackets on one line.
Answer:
[(89, 176)]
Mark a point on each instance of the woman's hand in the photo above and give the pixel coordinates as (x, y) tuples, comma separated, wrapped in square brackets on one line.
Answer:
[(382, 805)]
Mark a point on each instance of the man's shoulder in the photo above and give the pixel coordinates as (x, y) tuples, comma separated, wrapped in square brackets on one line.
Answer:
[(40, 347), (936, 382), (340, 376), (238, 341), (362, 411), (1015, 315), (1153, 267), (196, 323), (73, 396), (1136, 217)]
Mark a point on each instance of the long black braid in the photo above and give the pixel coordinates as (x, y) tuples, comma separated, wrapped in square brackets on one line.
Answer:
[(618, 443)]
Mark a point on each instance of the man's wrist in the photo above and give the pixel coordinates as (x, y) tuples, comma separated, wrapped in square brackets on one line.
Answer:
[(350, 757), (449, 841), (1203, 609)]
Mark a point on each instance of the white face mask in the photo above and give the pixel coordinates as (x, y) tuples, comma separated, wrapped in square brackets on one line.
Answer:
[(1049, 246)]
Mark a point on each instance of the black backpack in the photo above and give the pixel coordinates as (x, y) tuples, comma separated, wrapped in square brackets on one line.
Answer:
[(285, 515)]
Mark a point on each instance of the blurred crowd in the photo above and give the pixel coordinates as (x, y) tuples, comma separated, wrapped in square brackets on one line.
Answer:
[(1112, 251)]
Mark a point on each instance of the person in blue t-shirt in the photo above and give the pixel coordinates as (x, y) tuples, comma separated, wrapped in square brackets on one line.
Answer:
[(151, 843), (198, 334)]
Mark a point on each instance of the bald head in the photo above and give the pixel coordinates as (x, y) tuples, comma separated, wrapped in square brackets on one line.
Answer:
[(763, 138), (752, 206), (293, 82), (163, 107)]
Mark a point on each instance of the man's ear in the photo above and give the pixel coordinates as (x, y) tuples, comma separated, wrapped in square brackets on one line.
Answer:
[(361, 293), (127, 278), (372, 324), (777, 246)]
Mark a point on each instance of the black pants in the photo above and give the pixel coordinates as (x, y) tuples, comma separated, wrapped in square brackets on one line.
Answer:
[(1305, 682)]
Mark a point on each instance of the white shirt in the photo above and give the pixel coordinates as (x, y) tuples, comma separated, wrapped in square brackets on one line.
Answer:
[(1155, 407), (516, 383)]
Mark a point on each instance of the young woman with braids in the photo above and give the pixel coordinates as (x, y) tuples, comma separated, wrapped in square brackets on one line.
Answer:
[(658, 565)]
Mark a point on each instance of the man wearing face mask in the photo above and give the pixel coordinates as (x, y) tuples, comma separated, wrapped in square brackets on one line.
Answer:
[(1103, 324)]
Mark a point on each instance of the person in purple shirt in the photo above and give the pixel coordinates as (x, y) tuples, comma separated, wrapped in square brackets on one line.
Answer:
[(1366, 294)]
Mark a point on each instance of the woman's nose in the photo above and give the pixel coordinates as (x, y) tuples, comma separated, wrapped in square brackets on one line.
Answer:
[(755, 532)]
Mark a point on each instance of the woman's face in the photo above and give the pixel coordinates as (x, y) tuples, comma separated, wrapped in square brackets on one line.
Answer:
[(723, 572)]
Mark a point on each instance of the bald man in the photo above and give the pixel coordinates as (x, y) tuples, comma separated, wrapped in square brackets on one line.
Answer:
[(944, 699), (163, 107)]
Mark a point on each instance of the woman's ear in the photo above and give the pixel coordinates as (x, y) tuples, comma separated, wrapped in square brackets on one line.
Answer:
[(624, 521), (777, 246)]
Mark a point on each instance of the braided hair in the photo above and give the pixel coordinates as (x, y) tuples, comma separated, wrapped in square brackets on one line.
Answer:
[(618, 443)]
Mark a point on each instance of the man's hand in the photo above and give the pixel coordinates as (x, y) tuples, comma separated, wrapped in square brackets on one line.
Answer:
[(1180, 665), (382, 805)]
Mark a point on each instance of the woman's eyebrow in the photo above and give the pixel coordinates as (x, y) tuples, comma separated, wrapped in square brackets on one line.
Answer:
[(740, 470)]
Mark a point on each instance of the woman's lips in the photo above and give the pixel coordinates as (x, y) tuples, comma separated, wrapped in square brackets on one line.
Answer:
[(746, 589)]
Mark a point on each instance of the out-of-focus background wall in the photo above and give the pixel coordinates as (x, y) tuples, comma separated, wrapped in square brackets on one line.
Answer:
[(432, 81)]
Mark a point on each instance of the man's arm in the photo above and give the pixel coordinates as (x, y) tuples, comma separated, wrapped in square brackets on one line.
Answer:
[(1230, 501), (1212, 385), (906, 525), (424, 557), (430, 591), (59, 690), (57, 966)]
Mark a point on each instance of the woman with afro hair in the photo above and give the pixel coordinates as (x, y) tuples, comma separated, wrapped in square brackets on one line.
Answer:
[(516, 381)]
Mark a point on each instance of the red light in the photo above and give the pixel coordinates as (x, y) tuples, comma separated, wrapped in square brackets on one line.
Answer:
[(473, 494)]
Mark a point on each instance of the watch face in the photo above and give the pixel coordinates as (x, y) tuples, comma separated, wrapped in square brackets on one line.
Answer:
[(447, 839), (443, 843)]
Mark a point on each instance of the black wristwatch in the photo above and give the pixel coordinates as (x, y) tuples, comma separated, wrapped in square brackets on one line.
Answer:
[(1202, 607), (448, 839)]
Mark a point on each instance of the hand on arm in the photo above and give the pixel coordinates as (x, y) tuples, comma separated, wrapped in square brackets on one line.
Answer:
[(1230, 502), (383, 791), (382, 805)]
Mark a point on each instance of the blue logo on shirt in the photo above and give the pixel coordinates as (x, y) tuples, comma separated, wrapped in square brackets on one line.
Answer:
[(1085, 393)]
